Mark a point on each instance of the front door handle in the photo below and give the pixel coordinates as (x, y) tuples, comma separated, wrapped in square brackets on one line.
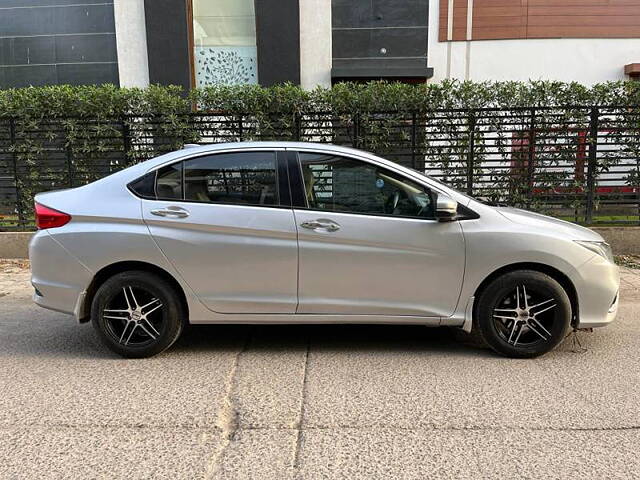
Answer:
[(321, 224), (172, 211)]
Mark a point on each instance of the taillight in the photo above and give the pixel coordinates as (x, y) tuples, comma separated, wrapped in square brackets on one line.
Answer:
[(49, 218)]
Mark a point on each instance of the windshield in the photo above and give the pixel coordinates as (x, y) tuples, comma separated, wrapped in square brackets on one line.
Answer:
[(484, 201)]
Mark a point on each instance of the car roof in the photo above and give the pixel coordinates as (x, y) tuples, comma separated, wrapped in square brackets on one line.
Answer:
[(195, 150), (212, 147)]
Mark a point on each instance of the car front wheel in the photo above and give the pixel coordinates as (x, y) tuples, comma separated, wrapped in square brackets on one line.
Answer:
[(523, 314), (137, 314)]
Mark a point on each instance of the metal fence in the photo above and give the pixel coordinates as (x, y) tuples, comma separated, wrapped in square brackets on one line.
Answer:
[(578, 163)]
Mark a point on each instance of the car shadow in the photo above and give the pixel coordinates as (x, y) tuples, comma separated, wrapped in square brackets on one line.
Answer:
[(53, 335), (332, 338)]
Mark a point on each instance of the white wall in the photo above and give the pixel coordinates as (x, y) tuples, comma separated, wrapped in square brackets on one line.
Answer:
[(315, 43), (586, 61), (131, 41)]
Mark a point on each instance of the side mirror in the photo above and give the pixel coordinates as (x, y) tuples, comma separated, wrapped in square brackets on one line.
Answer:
[(446, 208)]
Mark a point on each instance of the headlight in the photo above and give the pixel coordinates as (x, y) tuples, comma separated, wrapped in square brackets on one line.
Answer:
[(601, 248)]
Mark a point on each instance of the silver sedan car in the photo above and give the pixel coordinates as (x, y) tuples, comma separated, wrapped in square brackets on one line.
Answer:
[(279, 232)]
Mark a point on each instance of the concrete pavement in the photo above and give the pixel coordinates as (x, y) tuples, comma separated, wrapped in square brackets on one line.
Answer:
[(313, 402)]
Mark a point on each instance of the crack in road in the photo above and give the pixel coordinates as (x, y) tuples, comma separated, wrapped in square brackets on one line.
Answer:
[(227, 419), (303, 397), (234, 431)]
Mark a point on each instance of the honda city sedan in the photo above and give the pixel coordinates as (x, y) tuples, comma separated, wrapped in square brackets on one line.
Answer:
[(282, 232)]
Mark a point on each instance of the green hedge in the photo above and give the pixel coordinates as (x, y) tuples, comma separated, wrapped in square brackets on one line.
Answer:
[(108, 100), (60, 136)]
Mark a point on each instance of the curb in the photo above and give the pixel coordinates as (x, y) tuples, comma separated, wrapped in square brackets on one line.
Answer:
[(15, 244)]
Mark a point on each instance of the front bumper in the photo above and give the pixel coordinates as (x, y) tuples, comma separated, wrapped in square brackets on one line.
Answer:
[(598, 290)]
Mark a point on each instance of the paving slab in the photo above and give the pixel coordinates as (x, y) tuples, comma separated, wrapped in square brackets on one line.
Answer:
[(466, 454), (402, 378), (59, 374), (259, 454), (107, 452), (267, 391)]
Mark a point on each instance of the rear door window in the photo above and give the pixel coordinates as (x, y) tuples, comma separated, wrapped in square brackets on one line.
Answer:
[(242, 178), (169, 182)]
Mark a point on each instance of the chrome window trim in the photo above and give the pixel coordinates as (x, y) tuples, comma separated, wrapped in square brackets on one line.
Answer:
[(192, 155), (185, 158), (372, 159), (381, 215), (370, 162), (410, 175)]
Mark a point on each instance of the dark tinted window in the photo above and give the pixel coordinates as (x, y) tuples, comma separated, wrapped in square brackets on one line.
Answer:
[(144, 186), (247, 178), (169, 182), (341, 184)]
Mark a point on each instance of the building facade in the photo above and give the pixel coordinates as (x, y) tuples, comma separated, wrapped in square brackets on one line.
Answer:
[(586, 41), (315, 42), (45, 42)]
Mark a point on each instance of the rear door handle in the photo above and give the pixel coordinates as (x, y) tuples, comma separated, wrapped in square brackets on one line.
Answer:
[(171, 211), (321, 224)]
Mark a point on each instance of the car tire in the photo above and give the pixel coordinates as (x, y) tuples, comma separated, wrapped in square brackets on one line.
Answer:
[(523, 314), (137, 314)]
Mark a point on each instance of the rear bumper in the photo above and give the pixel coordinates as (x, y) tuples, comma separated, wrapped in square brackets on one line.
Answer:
[(60, 279), (598, 292)]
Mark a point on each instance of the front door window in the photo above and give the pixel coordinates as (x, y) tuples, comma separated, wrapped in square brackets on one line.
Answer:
[(338, 184)]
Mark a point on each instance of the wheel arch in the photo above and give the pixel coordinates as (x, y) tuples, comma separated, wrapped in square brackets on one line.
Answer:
[(554, 273), (124, 266)]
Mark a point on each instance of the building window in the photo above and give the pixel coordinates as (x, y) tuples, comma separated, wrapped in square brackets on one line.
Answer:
[(57, 42), (224, 42), (380, 39)]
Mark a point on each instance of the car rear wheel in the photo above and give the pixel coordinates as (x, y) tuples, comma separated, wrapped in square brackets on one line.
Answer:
[(523, 314), (137, 314)]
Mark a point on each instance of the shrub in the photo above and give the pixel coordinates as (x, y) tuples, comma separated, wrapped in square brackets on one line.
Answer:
[(60, 136)]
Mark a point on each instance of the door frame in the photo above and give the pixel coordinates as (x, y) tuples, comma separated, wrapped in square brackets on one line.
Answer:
[(299, 202)]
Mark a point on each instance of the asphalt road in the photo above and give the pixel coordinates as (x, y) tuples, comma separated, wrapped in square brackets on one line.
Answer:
[(313, 402)]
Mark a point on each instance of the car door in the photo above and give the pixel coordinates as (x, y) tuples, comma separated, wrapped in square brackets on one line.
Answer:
[(225, 222), (369, 243)]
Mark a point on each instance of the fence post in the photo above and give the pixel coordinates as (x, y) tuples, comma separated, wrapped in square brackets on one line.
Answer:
[(240, 132), (531, 156), (414, 128), (126, 139), (297, 126), (16, 177), (356, 130), (470, 151), (592, 166), (69, 158), (69, 165)]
